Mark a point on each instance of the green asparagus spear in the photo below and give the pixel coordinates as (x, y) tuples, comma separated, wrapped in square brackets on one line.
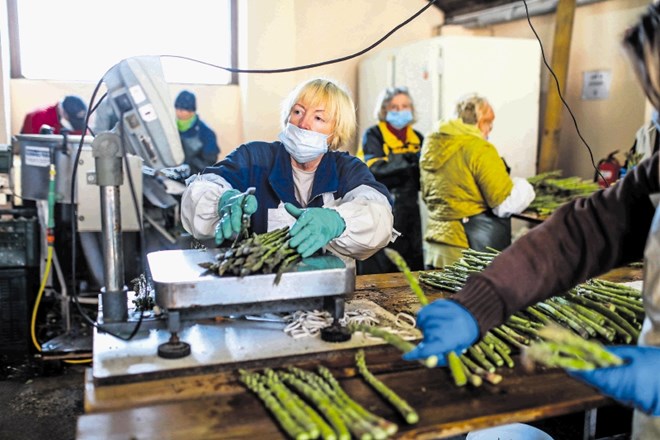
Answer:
[(408, 413), (490, 354), (284, 395), (473, 378), (322, 403), (480, 359), (392, 339), (456, 369), (286, 421), (388, 427), (400, 263), (476, 369), (563, 348), (350, 411)]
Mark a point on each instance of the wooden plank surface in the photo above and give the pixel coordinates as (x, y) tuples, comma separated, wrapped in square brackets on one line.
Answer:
[(530, 216), (214, 405), (444, 409)]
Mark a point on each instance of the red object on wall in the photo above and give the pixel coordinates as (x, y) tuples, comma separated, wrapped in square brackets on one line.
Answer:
[(608, 169)]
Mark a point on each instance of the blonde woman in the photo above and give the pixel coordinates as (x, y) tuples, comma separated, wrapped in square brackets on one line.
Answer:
[(330, 197)]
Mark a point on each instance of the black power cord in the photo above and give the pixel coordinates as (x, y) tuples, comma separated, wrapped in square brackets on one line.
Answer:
[(313, 65), (93, 106), (577, 129)]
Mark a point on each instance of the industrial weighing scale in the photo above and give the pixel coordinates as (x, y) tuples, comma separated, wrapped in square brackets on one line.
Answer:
[(208, 313)]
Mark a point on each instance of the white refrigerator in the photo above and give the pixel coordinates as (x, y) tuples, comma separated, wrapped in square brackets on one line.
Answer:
[(440, 70)]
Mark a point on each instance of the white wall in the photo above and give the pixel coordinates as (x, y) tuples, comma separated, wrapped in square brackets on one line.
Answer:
[(283, 33), (5, 131), (272, 34), (287, 33), (608, 124)]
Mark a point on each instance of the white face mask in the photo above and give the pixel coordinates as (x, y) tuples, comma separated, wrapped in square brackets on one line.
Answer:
[(303, 145)]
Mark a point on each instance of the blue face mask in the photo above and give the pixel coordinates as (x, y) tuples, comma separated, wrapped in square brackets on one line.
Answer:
[(400, 119), (656, 120), (303, 145)]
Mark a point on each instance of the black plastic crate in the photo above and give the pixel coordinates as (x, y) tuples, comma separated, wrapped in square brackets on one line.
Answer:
[(17, 293), (19, 243)]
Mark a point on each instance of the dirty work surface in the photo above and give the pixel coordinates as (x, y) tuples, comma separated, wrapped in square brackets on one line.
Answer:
[(39, 401)]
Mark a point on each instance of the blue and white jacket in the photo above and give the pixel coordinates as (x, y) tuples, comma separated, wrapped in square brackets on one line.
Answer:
[(341, 182)]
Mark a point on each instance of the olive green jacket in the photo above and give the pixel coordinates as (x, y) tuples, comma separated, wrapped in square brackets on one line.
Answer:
[(462, 175)]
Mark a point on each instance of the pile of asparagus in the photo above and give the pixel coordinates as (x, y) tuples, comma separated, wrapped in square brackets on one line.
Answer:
[(553, 191), (261, 253), (597, 309), (310, 405)]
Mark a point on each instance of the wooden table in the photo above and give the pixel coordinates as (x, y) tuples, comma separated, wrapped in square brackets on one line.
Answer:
[(214, 405), (530, 217)]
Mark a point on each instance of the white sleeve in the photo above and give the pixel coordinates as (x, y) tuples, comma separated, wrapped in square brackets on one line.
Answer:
[(369, 223), (521, 196), (199, 204)]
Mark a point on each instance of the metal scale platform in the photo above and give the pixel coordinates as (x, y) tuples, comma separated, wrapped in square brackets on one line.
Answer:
[(182, 285), (195, 300)]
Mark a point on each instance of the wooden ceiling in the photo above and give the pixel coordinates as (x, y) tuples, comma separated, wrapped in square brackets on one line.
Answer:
[(453, 8)]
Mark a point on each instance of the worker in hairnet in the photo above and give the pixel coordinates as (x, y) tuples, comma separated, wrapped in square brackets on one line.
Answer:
[(582, 239), (200, 146), (330, 198), (391, 151), (67, 115), (466, 186)]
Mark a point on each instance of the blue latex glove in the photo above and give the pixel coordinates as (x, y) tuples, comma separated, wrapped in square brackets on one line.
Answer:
[(637, 383), (447, 326), (231, 207), (314, 228)]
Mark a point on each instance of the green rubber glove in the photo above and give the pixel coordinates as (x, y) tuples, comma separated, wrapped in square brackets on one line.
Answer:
[(314, 228), (231, 207)]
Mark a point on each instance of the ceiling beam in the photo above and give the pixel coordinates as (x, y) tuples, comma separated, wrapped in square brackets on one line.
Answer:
[(484, 12)]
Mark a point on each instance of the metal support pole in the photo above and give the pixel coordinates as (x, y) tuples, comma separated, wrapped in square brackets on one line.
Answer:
[(106, 149), (335, 306), (589, 432), (65, 304)]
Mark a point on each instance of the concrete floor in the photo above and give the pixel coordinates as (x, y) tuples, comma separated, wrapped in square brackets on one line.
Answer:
[(39, 401)]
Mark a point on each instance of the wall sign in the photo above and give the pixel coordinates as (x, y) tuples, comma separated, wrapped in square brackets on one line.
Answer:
[(596, 84)]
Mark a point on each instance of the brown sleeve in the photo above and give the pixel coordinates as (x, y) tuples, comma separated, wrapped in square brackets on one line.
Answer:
[(580, 240)]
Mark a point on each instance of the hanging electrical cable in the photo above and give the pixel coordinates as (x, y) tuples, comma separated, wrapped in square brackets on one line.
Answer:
[(561, 97), (94, 105)]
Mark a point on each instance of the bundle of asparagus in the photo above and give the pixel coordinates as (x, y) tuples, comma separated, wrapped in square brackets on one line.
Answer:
[(309, 405), (597, 309), (552, 191), (559, 347), (260, 253)]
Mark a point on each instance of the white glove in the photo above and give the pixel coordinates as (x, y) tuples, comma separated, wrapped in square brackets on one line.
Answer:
[(522, 194)]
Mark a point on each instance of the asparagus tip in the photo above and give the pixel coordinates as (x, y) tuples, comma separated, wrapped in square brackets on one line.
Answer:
[(431, 361)]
